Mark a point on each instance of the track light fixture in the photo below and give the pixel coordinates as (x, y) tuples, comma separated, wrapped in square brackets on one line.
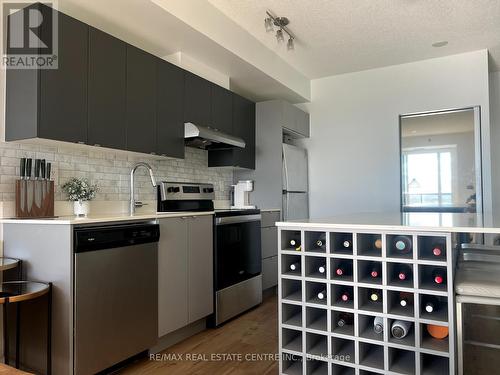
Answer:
[(281, 23)]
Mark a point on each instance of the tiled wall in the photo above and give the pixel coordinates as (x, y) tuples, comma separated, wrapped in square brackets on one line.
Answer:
[(109, 169)]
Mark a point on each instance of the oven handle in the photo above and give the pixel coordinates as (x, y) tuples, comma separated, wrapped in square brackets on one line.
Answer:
[(236, 219)]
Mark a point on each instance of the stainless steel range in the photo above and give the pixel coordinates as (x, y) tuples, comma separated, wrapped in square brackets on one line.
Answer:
[(237, 247)]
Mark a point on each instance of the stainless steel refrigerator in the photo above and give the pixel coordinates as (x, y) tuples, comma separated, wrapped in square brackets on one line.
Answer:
[(295, 194)]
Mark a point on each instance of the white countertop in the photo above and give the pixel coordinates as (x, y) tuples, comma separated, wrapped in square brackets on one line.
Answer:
[(417, 221), (93, 219)]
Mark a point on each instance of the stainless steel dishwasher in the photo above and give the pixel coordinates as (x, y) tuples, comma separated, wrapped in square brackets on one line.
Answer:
[(115, 295)]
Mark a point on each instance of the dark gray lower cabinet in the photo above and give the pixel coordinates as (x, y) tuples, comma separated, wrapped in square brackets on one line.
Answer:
[(141, 101), (51, 103), (185, 271), (170, 110), (107, 90)]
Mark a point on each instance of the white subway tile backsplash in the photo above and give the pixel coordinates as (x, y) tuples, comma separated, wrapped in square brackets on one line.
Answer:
[(110, 170)]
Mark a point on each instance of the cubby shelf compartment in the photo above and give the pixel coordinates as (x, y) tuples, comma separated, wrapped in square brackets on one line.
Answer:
[(315, 267), (371, 355), (369, 244), (291, 290), (287, 236), (315, 242), (427, 275), (316, 367), (432, 248), (364, 299), (342, 370), (343, 350), (292, 365), (408, 340), (291, 261), (341, 243), (317, 319), (317, 345), (401, 303), (370, 272), (337, 291), (400, 275), (341, 269), (366, 324), (292, 339), (433, 344), (402, 361), (314, 291), (434, 365), (440, 306), (393, 241), (291, 315), (343, 323)]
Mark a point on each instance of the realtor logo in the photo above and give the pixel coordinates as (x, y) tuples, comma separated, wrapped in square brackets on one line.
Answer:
[(30, 35)]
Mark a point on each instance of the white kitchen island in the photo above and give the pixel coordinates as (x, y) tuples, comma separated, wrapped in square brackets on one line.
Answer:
[(339, 268)]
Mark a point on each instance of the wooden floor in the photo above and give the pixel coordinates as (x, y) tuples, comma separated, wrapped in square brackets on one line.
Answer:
[(222, 351)]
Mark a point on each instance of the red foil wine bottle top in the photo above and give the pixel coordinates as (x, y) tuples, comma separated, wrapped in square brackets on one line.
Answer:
[(374, 274), (339, 272), (436, 251), (345, 297), (438, 279), (402, 276)]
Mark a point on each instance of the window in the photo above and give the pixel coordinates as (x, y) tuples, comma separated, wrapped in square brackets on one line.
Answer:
[(427, 177)]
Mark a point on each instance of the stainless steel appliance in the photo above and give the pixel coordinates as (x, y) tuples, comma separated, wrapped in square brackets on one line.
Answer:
[(295, 190), (116, 294), (237, 247), (206, 138)]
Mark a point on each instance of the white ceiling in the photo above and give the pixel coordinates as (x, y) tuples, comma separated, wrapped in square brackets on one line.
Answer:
[(434, 124), (339, 36)]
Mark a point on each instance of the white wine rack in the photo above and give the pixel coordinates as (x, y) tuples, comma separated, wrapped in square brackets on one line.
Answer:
[(311, 342)]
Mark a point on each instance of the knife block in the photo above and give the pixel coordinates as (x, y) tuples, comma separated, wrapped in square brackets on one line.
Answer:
[(34, 198)]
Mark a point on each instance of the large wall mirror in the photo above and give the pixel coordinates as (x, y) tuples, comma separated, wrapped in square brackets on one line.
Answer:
[(441, 161)]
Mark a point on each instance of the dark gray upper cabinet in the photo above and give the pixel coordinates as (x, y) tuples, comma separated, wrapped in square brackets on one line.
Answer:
[(222, 113), (107, 90), (197, 100), (51, 103), (141, 101), (170, 111), (243, 113)]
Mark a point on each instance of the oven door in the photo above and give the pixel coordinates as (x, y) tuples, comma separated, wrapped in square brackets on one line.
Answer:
[(237, 249)]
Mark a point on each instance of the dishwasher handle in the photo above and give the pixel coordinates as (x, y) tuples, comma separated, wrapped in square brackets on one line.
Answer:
[(113, 236)]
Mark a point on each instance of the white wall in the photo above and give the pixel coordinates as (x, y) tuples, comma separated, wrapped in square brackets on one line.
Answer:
[(354, 144), (495, 137)]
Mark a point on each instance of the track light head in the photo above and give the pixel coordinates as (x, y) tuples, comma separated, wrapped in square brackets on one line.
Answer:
[(290, 44), (279, 36), (268, 23)]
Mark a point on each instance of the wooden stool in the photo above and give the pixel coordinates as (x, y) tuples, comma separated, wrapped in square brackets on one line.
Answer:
[(7, 370)]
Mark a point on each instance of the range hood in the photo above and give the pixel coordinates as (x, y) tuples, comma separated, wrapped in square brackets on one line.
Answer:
[(207, 138)]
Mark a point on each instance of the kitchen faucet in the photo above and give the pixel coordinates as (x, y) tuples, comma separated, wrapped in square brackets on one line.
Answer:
[(133, 203)]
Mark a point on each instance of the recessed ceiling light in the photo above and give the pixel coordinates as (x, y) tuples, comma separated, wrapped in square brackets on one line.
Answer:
[(440, 44)]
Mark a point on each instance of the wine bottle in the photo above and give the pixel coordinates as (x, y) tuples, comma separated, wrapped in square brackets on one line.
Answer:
[(402, 244), (321, 241), (347, 243), (343, 269), (295, 244), (295, 266), (345, 319), (378, 244), (403, 272), (378, 324), (400, 328), (405, 299), (345, 296), (322, 269), (437, 250), (375, 270), (375, 295), (322, 294), (438, 332), (431, 304), (438, 277)]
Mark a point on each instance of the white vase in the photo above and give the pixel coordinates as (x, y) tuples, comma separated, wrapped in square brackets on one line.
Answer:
[(81, 208)]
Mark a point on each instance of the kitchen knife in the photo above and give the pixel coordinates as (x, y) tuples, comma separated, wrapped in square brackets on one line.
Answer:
[(47, 172), (37, 168), (36, 184), (29, 185), (43, 183), (42, 169), (22, 169), (29, 162)]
